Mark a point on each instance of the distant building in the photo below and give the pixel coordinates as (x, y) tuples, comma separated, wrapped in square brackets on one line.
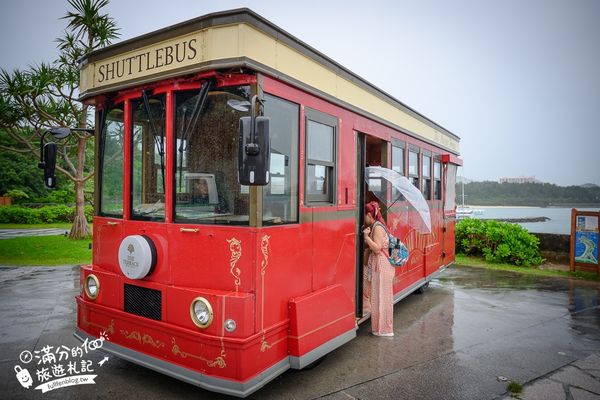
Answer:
[(520, 179)]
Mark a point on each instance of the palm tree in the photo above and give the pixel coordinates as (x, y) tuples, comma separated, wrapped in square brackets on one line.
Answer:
[(44, 96), (87, 22)]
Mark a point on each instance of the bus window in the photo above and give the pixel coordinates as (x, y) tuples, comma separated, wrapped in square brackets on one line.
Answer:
[(398, 159), (148, 159), (426, 181), (320, 157), (413, 167), (206, 186), (280, 196), (437, 180), (111, 163), (398, 166)]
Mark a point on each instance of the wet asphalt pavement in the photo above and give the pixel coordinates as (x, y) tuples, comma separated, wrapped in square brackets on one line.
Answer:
[(470, 332)]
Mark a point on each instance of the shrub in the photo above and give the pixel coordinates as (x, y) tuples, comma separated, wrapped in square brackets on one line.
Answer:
[(497, 242), (16, 196), (60, 213), (59, 196), (89, 213), (17, 215), (42, 215)]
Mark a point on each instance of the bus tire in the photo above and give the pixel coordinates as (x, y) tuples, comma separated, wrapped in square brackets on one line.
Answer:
[(422, 288)]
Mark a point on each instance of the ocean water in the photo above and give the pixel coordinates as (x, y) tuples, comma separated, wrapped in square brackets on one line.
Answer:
[(560, 217)]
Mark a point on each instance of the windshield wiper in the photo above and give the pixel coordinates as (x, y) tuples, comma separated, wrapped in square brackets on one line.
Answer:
[(160, 144), (103, 114), (191, 126)]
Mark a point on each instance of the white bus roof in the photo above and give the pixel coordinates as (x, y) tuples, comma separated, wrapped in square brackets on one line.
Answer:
[(242, 38)]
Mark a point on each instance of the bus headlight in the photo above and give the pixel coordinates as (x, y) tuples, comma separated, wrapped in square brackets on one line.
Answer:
[(201, 312), (91, 286)]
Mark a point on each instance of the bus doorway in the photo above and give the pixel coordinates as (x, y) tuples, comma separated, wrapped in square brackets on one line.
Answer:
[(370, 151)]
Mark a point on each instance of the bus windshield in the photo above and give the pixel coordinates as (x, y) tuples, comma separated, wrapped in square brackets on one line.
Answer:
[(206, 185), (111, 166), (147, 164)]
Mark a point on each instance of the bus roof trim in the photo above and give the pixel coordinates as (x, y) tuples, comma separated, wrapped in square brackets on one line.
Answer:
[(245, 15)]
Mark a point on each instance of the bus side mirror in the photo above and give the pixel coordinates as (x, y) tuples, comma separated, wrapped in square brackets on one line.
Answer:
[(49, 165), (254, 151), (48, 154)]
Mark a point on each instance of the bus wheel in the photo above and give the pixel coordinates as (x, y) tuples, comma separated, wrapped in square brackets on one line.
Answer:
[(423, 288)]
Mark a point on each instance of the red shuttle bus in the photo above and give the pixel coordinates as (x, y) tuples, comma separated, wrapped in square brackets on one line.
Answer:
[(230, 161)]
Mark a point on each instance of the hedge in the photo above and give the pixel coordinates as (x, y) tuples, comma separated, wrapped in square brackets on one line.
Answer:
[(42, 215), (497, 242)]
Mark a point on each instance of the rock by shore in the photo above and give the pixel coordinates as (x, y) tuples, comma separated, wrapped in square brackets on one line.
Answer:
[(519, 220)]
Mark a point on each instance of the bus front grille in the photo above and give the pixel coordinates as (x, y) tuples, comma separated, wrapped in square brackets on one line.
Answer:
[(143, 302)]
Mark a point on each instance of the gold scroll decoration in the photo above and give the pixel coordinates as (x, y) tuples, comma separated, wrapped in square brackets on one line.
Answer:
[(264, 248), (217, 362), (235, 246), (142, 339), (107, 329)]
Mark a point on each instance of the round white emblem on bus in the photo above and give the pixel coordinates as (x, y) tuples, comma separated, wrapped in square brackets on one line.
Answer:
[(137, 256)]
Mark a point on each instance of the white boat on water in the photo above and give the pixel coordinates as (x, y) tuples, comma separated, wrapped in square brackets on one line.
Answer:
[(463, 211)]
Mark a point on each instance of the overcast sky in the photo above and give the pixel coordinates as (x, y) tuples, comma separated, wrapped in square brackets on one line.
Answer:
[(517, 80)]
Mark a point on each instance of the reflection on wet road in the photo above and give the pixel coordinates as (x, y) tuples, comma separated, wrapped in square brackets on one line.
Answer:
[(454, 342)]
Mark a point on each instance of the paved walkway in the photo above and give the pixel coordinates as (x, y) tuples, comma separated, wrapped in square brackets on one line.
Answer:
[(579, 380), (455, 342), (13, 233)]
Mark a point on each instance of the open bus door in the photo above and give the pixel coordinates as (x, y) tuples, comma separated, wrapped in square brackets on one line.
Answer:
[(369, 151), (450, 164), (360, 201)]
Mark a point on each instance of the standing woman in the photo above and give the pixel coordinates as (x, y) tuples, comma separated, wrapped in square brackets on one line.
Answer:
[(380, 271)]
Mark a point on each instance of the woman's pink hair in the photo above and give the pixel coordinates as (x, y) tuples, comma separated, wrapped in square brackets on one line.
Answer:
[(373, 209)]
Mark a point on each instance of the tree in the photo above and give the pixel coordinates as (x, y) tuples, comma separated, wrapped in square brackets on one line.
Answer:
[(529, 194), (43, 96), (18, 172)]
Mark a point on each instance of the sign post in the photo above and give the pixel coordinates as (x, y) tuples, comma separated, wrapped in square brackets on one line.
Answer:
[(584, 241)]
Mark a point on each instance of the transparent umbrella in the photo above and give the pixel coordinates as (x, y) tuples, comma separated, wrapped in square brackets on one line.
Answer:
[(380, 180)]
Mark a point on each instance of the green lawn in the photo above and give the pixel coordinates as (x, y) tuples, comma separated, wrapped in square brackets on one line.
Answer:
[(480, 263), (44, 250)]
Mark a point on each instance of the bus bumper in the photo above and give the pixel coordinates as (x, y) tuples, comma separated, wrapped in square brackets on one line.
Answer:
[(226, 386), (233, 366)]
